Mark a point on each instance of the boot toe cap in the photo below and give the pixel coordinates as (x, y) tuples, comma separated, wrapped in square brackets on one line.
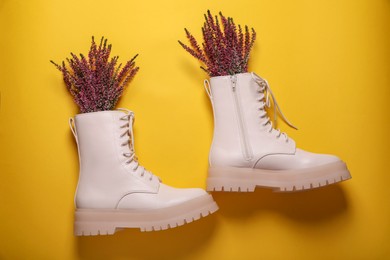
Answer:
[(166, 197), (300, 160)]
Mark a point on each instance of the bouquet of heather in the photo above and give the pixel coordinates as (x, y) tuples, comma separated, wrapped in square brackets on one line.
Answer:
[(95, 81), (225, 48)]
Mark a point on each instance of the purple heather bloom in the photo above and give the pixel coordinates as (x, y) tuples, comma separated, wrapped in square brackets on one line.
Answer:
[(225, 48), (95, 81)]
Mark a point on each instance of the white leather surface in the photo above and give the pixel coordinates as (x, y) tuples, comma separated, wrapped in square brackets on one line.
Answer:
[(269, 151), (226, 149), (167, 196), (104, 177), (300, 160)]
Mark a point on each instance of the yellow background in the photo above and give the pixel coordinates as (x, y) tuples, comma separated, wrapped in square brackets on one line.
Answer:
[(327, 63)]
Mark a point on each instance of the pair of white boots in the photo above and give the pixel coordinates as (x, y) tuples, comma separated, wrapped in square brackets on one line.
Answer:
[(115, 192)]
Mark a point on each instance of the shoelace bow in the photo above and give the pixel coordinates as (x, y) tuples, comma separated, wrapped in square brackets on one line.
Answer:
[(266, 93), (128, 126)]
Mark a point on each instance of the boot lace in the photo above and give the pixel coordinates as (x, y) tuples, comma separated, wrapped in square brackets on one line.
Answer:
[(265, 102), (128, 132)]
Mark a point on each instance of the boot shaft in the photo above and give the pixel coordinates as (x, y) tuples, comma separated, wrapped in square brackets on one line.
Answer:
[(240, 136), (106, 174), (98, 136)]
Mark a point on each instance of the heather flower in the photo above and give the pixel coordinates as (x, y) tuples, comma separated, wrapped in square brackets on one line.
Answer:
[(95, 81), (225, 47)]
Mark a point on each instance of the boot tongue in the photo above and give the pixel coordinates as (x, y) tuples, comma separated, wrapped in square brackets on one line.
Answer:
[(257, 78), (125, 111), (128, 115), (269, 95)]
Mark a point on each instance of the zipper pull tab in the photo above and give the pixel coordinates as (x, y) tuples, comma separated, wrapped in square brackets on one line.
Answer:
[(233, 79)]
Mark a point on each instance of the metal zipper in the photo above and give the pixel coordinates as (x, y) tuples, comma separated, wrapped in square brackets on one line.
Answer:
[(241, 124)]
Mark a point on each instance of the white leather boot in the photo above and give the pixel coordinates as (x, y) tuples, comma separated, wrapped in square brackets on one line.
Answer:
[(247, 151), (115, 192)]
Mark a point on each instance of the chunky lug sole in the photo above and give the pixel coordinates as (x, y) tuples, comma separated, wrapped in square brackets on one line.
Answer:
[(90, 222), (246, 179)]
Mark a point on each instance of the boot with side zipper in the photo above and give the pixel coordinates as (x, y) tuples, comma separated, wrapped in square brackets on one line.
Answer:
[(247, 151), (115, 192)]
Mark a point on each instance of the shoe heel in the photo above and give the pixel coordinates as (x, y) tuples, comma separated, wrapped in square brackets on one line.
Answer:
[(87, 224), (93, 229)]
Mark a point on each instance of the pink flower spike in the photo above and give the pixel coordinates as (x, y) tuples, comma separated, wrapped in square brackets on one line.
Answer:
[(225, 47), (95, 81)]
